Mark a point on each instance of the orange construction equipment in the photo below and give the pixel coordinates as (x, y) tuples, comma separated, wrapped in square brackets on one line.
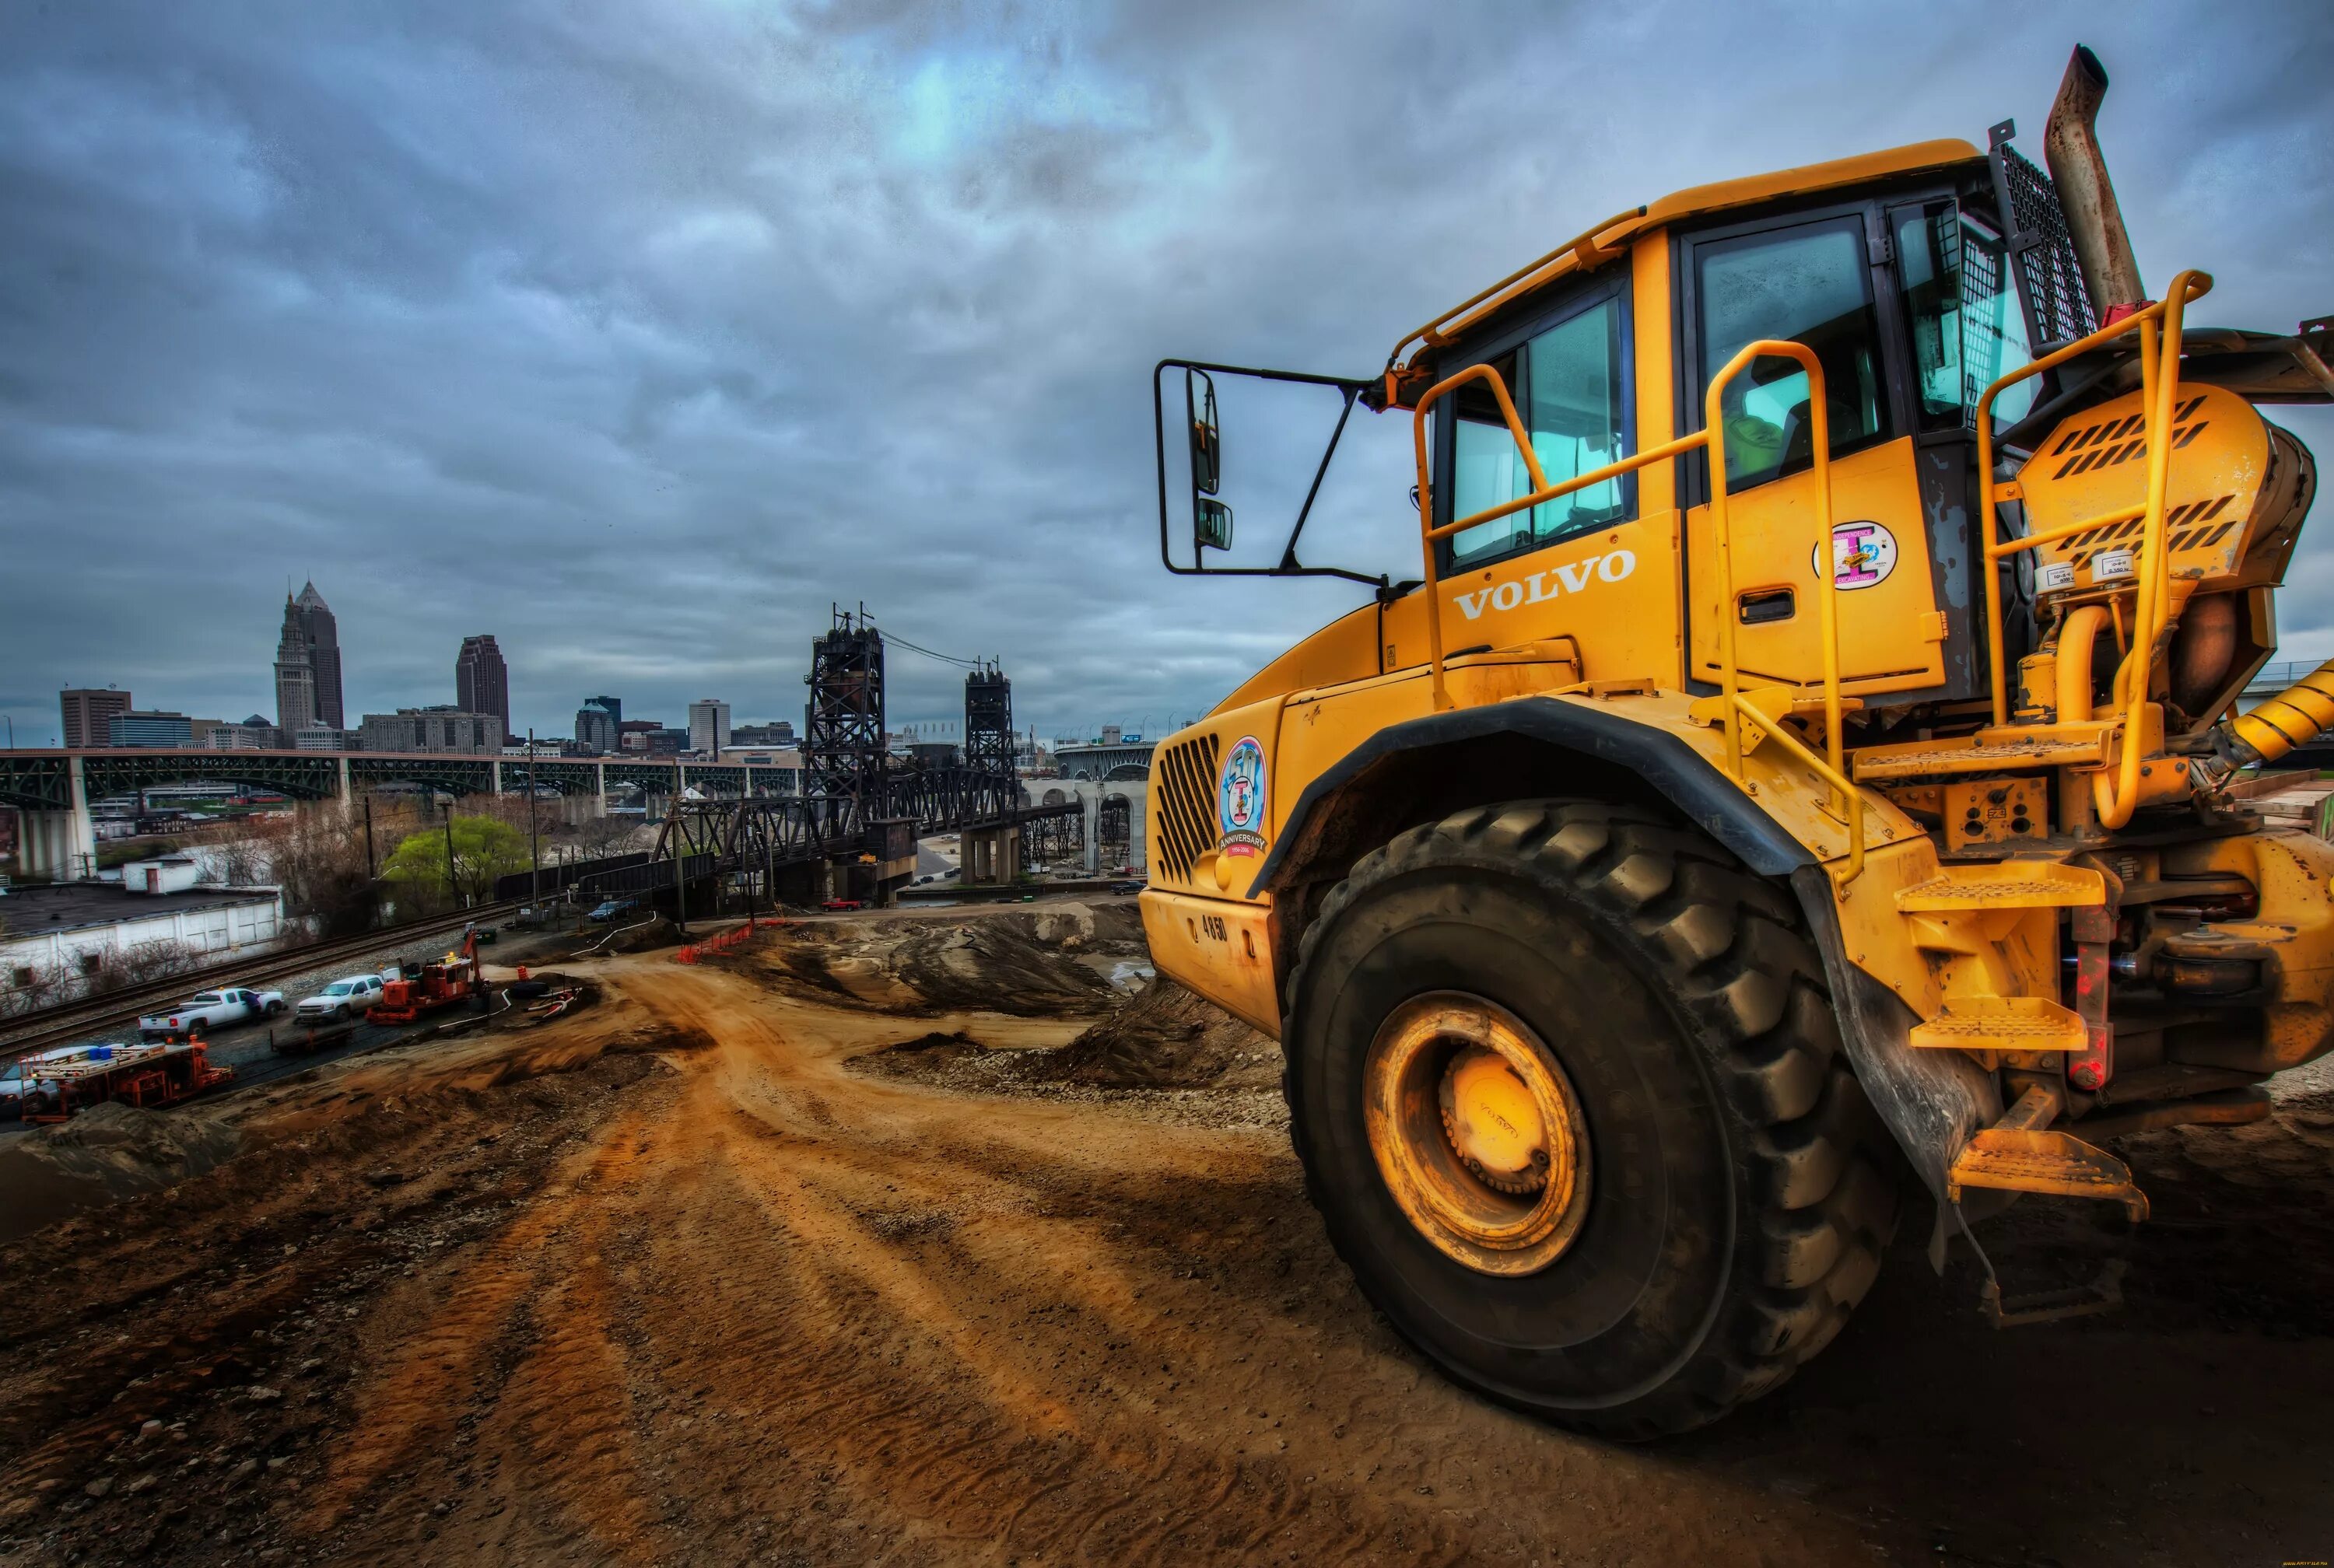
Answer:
[(451, 979), (142, 1075)]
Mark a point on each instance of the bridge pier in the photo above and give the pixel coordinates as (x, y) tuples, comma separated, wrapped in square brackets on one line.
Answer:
[(57, 846), (989, 856), (60, 846)]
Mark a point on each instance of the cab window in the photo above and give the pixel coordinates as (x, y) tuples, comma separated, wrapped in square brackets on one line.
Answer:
[(1810, 283), (1967, 328), (1567, 385)]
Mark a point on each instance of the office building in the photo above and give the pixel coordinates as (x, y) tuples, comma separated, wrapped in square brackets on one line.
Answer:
[(323, 635), (708, 726), (85, 712), (425, 729), (482, 682), (254, 734), (781, 734), (324, 738), (134, 728), (296, 675), (596, 724)]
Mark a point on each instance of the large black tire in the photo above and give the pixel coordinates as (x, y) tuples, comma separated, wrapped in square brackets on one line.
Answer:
[(1740, 1188)]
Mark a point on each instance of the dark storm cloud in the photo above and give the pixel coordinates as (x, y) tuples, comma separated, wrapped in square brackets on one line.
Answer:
[(637, 335)]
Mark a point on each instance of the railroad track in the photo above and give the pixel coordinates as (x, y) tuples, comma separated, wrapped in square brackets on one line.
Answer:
[(61, 1025)]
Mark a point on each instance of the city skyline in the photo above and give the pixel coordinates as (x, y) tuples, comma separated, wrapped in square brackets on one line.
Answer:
[(465, 391), (296, 630)]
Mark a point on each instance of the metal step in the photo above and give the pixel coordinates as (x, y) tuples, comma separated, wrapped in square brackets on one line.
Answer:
[(1989, 751), (2005, 885), (2015, 1155), (2001, 1024)]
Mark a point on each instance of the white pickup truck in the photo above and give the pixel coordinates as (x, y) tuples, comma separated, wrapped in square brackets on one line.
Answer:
[(213, 1010), (343, 999)]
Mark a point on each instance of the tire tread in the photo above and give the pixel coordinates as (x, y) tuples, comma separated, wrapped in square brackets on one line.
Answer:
[(1816, 1201)]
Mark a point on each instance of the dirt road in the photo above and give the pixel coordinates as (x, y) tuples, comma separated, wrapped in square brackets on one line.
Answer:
[(682, 1280)]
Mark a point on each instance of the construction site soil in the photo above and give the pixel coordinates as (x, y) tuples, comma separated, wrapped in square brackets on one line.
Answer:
[(945, 1238)]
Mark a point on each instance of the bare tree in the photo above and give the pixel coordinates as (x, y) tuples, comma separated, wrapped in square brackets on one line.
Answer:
[(242, 860), (317, 854)]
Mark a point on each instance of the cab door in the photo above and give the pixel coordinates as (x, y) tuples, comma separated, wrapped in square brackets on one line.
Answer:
[(1818, 279)]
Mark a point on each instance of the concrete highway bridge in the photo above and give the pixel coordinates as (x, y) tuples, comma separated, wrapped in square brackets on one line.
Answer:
[(53, 788), (750, 820)]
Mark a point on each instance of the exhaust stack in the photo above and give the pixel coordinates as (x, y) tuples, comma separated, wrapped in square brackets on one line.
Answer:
[(2070, 145)]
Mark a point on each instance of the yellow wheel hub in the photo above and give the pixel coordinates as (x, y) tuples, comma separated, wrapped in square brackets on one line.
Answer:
[(1493, 1122), (1477, 1132)]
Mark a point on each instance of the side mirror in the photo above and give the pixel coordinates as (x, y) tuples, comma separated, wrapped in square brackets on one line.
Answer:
[(1207, 438), (1211, 525)]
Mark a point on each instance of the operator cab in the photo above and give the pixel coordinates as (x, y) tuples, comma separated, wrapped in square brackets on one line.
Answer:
[(1900, 285), (1897, 270)]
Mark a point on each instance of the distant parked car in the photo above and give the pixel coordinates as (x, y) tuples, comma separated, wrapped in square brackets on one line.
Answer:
[(1122, 889), (842, 906), (343, 999), (212, 1010), (607, 912)]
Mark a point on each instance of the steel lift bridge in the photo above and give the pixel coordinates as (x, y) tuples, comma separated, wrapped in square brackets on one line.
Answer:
[(852, 832)]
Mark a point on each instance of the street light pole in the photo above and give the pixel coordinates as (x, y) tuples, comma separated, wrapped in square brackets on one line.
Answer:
[(534, 841), (452, 886)]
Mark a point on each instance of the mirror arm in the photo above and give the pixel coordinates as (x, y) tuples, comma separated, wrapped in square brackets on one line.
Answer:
[(1350, 387), (1289, 551)]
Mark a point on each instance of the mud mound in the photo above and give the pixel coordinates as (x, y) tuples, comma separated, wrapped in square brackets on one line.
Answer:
[(1107, 927), (648, 936), (1164, 1037), (1029, 965), (107, 1152)]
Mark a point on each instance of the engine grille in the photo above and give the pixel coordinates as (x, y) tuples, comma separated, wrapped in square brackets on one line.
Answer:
[(1187, 804)]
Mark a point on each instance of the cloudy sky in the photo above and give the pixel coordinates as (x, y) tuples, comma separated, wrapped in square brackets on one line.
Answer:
[(638, 335)]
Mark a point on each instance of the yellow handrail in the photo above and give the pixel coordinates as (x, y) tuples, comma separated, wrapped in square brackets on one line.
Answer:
[(1734, 706), (1826, 572), (2159, 380)]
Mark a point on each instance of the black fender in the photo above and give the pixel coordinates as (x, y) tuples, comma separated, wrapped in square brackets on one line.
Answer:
[(1664, 763), (1931, 1101)]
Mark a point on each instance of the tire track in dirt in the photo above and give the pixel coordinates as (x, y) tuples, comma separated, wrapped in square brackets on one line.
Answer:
[(413, 1405), (957, 1306), (748, 1303)]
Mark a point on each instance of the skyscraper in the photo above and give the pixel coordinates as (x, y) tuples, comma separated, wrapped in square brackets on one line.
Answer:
[(323, 638), (296, 676), (482, 680), (85, 710)]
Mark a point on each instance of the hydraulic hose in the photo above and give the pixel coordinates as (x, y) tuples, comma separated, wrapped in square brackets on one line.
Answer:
[(2074, 664), (2293, 717)]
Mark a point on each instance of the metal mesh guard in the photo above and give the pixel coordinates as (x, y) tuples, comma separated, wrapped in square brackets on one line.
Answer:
[(2044, 252)]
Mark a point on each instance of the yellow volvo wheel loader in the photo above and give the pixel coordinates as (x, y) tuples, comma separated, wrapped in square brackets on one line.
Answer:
[(1802, 769)]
